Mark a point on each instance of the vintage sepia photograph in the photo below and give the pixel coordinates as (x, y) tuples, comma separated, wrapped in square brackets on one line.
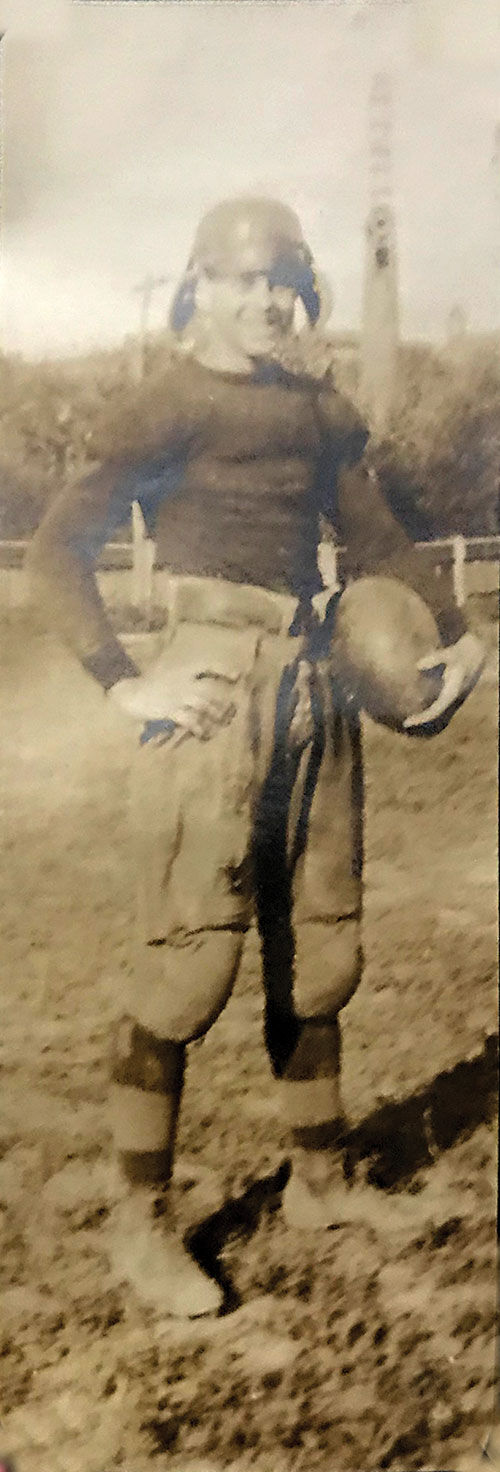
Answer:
[(249, 551)]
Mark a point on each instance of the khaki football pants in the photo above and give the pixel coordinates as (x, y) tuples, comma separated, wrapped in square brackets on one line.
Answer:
[(255, 820)]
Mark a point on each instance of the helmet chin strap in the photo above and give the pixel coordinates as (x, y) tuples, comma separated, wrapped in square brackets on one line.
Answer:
[(300, 317)]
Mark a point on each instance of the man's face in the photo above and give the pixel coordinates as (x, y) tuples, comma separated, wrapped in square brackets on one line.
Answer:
[(247, 314)]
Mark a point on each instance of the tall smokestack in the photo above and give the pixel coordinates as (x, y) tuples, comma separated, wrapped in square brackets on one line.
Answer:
[(380, 309)]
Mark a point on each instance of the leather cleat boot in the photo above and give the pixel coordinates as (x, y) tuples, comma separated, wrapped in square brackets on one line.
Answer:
[(145, 1252), (317, 1197)]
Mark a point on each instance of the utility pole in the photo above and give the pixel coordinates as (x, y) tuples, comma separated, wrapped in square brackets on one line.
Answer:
[(145, 290), (380, 310), (457, 326)]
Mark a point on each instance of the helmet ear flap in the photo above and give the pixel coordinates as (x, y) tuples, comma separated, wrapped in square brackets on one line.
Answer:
[(309, 293), (184, 303), (316, 297), (297, 271)]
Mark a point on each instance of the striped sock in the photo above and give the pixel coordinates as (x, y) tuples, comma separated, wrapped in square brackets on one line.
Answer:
[(310, 1087), (146, 1088)]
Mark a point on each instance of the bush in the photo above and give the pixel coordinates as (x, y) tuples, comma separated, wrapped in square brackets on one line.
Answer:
[(440, 461), (49, 414)]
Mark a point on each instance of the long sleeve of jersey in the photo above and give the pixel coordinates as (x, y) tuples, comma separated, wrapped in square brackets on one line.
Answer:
[(61, 566), (65, 549), (375, 541), (142, 445)]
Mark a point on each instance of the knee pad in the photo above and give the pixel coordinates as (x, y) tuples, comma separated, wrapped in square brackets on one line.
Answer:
[(181, 988), (328, 967), (143, 1061)]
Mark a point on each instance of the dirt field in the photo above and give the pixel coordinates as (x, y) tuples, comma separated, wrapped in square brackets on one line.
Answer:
[(347, 1353)]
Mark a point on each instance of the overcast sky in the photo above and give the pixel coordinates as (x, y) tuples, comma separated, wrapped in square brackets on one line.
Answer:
[(131, 118)]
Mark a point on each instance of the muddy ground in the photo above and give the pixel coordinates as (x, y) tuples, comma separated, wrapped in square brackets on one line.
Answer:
[(352, 1352)]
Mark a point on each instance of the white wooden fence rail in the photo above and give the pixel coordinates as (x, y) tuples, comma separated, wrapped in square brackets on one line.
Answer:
[(138, 558)]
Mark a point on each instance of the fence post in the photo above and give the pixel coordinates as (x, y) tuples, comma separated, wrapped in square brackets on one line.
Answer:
[(459, 560), (143, 555)]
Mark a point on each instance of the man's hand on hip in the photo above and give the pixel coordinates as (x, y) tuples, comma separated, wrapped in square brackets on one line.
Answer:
[(196, 702), (461, 665)]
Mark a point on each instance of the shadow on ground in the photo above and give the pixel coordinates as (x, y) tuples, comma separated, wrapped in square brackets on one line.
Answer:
[(399, 1139), (407, 1135)]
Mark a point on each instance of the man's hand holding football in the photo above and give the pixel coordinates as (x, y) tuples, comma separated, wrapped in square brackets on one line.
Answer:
[(461, 665)]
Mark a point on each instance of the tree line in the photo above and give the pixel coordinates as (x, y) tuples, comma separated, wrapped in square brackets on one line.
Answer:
[(439, 461)]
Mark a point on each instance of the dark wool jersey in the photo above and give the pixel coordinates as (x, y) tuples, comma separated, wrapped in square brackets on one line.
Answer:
[(233, 474)]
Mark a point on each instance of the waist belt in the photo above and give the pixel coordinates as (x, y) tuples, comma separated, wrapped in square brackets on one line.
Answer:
[(232, 605)]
